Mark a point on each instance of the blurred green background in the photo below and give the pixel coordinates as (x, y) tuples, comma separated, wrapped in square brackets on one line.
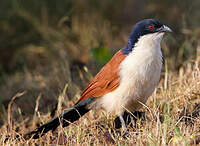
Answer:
[(46, 45)]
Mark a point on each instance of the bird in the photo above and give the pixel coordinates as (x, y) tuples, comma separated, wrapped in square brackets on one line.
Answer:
[(124, 83)]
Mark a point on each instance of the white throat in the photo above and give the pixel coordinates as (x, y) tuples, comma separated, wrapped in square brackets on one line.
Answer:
[(149, 42)]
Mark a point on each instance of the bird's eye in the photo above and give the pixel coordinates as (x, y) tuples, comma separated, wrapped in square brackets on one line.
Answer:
[(151, 26)]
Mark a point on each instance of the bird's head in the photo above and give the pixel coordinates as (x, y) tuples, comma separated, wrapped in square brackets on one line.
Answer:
[(147, 27)]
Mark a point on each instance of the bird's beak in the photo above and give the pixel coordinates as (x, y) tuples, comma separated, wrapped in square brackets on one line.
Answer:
[(165, 28)]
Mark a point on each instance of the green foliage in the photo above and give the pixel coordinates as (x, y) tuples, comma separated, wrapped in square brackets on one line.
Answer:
[(101, 55), (0, 101)]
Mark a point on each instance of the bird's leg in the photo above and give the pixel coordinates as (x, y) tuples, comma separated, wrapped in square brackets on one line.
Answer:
[(125, 132), (124, 127), (129, 118), (132, 121)]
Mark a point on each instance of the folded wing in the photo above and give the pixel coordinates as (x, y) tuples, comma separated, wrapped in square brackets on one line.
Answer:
[(106, 80)]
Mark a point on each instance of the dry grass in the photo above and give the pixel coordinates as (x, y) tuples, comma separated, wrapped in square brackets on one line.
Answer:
[(172, 117)]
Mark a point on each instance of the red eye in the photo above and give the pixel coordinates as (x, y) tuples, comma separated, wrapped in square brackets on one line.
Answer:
[(151, 26)]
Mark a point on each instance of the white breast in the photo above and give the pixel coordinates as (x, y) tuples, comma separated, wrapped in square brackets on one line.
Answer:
[(139, 75)]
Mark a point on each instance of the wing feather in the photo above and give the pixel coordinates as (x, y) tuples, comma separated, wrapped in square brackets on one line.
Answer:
[(106, 80)]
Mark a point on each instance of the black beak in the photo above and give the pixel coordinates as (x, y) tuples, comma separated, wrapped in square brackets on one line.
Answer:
[(164, 28)]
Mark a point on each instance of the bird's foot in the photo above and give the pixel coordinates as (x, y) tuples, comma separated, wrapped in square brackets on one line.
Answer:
[(129, 119)]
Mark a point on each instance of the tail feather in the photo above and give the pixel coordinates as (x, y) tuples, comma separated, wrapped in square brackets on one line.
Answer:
[(67, 117)]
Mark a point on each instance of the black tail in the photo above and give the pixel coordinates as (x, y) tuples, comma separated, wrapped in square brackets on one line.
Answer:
[(65, 119)]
